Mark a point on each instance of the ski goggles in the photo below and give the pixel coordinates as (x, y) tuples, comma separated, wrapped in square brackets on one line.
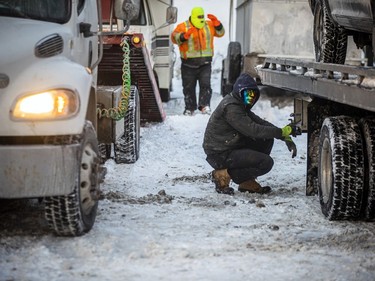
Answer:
[(248, 96)]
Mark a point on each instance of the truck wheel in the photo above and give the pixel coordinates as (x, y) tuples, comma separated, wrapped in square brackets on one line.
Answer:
[(234, 68), (225, 87), (330, 41), (165, 95), (312, 163), (341, 168), (74, 214), (368, 131), (105, 151), (234, 55), (127, 147)]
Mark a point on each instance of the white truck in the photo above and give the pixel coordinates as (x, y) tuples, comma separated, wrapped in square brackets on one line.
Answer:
[(54, 113), (338, 108)]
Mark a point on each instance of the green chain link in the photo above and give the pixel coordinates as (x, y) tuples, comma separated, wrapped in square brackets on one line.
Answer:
[(118, 113)]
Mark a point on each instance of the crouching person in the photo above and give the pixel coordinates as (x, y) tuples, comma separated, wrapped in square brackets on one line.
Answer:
[(238, 143)]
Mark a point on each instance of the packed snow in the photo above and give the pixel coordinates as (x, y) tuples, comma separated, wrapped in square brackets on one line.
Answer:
[(161, 219)]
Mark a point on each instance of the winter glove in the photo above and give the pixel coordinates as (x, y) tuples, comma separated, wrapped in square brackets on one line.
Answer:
[(291, 146), (188, 33), (214, 20), (288, 130)]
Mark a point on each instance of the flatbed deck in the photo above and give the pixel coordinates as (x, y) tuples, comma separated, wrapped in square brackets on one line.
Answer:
[(346, 84)]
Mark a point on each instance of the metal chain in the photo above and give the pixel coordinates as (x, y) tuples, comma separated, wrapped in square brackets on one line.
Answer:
[(118, 112)]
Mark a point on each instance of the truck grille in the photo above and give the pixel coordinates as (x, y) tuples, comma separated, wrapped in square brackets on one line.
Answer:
[(49, 46)]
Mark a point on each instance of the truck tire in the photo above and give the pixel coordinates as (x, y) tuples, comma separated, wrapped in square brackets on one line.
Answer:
[(127, 148), (234, 55), (226, 88), (74, 214), (105, 151), (312, 163), (330, 41), (165, 95), (341, 168), (234, 68), (368, 132)]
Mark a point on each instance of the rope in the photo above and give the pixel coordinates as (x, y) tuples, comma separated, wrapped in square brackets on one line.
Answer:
[(119, 112)]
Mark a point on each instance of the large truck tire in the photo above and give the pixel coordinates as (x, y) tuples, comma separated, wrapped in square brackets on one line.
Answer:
[(74, 214), (234, 55), (165, 95), (233, 66), (341, 168), (127, 148), (368, 132), (105, 152), (330, 41), (226, 87), (312, 163)]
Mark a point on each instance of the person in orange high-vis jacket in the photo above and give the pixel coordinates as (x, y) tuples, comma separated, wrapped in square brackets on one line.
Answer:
[(195, 39)]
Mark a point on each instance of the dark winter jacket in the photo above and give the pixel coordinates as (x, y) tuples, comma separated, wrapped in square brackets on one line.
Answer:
[(231, 124)]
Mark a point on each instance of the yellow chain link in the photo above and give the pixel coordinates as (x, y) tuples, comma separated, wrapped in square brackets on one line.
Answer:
[(118, 112)]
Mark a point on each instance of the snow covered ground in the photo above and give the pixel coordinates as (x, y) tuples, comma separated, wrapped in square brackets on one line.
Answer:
[(160, 218)]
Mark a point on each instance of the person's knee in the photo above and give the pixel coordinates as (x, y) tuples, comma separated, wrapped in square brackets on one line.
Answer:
[(267, 164)]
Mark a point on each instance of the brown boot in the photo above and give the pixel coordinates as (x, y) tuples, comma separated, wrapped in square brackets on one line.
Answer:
[(221, 178), (253, 187)]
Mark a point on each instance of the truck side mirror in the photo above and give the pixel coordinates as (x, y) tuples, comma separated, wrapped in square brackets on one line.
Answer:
[(85, 29), (127, 9), (171, 15)]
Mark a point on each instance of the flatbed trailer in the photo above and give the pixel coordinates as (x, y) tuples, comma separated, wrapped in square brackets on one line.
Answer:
[(345, 84), (338, 115)]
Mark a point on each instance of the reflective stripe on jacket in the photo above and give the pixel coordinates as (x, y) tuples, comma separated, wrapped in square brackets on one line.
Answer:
[(200, 43)]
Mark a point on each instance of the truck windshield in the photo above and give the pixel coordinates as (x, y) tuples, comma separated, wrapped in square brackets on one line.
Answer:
[(46, 10)]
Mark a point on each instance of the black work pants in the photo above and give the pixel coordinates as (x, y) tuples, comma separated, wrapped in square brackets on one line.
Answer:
[(190, 75), (246, 163)]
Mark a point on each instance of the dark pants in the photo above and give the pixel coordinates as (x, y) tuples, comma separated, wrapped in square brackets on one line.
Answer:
[(190, 76), (246, 163)]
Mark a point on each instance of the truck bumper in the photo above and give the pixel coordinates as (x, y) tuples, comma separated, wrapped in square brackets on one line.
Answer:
[(38, 170)]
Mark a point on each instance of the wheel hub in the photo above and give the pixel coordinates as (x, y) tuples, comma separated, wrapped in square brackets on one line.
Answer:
[(326, 170), (88, 176)]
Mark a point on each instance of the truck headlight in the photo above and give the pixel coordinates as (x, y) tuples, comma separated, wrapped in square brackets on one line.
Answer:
[(53, 104)]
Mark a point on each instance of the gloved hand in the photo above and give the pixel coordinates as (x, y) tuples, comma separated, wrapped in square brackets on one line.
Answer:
[(291, 146), (288, 130), (188, 33), (214, 19)]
